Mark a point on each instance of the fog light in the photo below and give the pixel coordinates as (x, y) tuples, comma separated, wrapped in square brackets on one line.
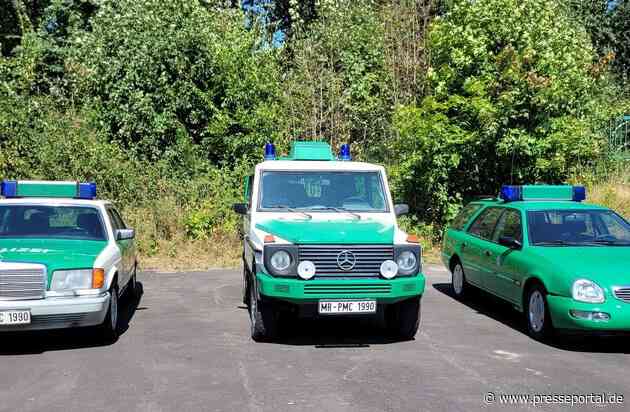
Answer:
[(594, 316), (389, 269), (306, 269)]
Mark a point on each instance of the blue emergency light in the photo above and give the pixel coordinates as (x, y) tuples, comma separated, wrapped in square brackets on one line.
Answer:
[(37, 188), (511, 193), (270, 151), (344, 152)]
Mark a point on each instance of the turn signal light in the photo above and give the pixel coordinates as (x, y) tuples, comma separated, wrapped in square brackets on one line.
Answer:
[(412, 239), (98, 278), (269, 239)]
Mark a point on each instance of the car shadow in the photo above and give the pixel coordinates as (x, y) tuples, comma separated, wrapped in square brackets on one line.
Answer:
[(499, 310), (37, 342), (357, 332)]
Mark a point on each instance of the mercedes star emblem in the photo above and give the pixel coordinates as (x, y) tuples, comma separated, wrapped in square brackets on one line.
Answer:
[(346, 260)]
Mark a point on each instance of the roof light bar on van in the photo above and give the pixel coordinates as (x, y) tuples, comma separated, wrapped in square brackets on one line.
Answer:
[(512, 193), (344, 152), (270, 151), (39, 188)]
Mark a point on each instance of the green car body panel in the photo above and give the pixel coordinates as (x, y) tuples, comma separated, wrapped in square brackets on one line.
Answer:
[(507, 272), (55, 254), (342, 232)]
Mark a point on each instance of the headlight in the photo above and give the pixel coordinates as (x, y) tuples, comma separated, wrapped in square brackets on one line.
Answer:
[(586, 291), (407, 261), (280, 260), (71, 279)]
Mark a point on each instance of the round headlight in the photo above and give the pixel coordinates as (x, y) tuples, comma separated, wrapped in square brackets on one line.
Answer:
[(389, 269), (306, 269), (280, 260), (585, 290), (407, 261)]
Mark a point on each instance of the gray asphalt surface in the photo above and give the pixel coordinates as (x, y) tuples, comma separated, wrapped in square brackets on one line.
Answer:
[(187, 348)]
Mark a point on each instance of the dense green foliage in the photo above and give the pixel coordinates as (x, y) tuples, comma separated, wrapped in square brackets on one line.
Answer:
[(166, 105)]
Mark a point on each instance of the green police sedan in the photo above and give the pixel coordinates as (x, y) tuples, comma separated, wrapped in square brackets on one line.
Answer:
[(563, 263)]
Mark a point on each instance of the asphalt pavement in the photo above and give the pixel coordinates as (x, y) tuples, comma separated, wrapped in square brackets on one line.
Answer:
[(187, 348)]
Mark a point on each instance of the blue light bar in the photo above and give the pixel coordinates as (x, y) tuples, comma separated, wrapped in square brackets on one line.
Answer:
[(86, 190), (344, 152), (579, 193), (9, 188), (270, 151), (511, 193)]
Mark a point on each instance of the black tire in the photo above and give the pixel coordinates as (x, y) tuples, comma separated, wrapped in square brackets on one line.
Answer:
[(537, 318), (403, 318), (110, 328), (245, 285), (133, 289), (263, 319), (459, 286)]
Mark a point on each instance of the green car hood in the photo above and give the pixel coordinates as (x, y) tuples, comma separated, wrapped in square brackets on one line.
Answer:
[(606, 265), (53, 253), (333, 231)]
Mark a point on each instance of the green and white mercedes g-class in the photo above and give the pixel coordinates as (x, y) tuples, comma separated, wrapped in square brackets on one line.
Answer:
[(321, 239)]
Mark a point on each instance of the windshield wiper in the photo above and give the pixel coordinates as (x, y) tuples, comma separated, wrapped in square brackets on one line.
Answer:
[(337, 209), (557, 242), (290, 209), (611, 242)]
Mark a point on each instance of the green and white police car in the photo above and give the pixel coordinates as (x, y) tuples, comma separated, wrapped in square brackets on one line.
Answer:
[(65, 258), (321, 239)]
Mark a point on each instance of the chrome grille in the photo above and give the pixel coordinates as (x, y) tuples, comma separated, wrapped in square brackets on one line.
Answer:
[(22, 284), (368, 259), (622, 293)]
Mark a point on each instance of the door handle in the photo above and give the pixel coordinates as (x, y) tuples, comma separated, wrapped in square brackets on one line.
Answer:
[(464, 245), (487, 253)]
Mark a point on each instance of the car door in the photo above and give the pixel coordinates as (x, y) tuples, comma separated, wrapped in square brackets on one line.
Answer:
[(126, 247), (476, 247), (505, 279)]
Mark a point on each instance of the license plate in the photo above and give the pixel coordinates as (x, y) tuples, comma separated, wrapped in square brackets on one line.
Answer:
[(346, 306), (15, 317)]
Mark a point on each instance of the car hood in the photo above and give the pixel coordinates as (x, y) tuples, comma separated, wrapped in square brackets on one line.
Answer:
[(53, 253), (330, 231), (606, 265)]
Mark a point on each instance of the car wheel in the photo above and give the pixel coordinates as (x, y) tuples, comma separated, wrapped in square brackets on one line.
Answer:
[(403, 318), (459, 285), (109, 329), (263, 320), (539, 325)]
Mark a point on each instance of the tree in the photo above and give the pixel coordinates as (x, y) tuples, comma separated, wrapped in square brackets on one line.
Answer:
[(512, 87)]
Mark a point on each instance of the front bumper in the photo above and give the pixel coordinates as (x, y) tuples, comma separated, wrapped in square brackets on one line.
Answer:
[(560, 310), (59, 313), (309, 291)]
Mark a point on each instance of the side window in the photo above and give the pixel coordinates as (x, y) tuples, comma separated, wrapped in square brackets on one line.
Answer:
[(112, 218), (119, 220), (510, 226), (464, 216), (485, 223), (249, 184)]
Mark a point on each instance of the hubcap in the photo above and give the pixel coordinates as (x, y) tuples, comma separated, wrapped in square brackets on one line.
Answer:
[(536, 311), (113, 309), (458, 279)]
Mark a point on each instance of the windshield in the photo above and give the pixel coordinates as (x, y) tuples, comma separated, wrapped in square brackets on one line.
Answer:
[(325, 191), (63, 222), (578, 228)]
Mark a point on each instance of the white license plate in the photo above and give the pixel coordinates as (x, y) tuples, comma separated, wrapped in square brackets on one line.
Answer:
[(15, 317), (346, 306)]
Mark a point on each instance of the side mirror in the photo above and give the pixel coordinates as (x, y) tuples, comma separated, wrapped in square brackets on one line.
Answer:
[(401, 209), (125, 234), (240, 208), (510, 242)]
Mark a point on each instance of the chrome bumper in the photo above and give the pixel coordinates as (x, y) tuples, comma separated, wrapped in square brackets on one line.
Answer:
[(59, 312)]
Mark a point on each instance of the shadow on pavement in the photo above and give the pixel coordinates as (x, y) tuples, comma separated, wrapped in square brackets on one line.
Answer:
[(36, 342), (489, 305), (357, 332)]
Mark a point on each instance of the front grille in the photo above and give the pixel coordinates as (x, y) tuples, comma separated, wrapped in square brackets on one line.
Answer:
[(368, 259), (58, 320), (332, 289), (22, 284), (622, 293)]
